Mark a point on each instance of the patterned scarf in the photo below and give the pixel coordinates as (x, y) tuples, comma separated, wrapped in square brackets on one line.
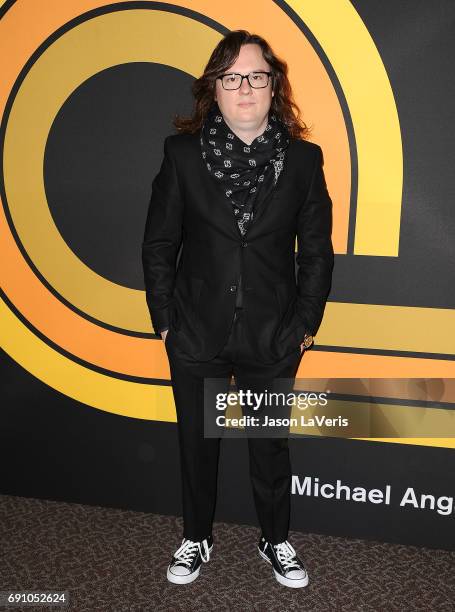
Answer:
[(246, 173)]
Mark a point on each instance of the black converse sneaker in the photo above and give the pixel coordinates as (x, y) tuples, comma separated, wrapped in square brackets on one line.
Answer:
[(187, 560), (289, 569)]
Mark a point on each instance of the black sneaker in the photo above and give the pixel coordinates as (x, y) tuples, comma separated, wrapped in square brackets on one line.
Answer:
[(187, 560), (289, 569)]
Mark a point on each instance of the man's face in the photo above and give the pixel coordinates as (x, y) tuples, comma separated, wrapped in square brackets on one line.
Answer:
[(245, 108)]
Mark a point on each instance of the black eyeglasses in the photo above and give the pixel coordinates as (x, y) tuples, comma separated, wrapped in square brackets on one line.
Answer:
[(233, 80)]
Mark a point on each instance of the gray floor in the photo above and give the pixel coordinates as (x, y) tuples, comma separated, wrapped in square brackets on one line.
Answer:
[(116, 560)]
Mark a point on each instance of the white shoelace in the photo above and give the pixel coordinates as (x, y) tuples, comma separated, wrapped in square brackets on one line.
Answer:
[(185, 554), (287, 556)]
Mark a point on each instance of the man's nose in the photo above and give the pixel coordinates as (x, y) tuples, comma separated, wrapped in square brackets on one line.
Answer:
[(245, 86)]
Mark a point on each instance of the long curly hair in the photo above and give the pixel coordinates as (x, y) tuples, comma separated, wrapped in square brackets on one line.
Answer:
[(222, 58)]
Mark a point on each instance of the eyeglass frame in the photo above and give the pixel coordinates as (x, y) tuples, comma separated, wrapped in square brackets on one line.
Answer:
[(245, 76)]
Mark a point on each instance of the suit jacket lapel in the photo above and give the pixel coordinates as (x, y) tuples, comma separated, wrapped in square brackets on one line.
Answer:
[(271, 197)]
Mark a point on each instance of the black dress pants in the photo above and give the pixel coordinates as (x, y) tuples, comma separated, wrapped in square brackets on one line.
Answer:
[(269, 463)]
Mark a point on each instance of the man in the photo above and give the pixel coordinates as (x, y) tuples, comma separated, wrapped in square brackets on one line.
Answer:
[(237, 185)]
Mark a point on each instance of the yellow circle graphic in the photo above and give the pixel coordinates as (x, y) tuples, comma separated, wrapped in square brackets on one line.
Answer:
[(183, 42), (90, 47)]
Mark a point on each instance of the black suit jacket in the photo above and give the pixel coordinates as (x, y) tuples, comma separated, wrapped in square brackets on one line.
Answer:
[(194, 294)]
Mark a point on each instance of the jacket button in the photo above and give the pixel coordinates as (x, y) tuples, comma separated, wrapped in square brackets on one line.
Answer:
[(233, 288), (244, 244)]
